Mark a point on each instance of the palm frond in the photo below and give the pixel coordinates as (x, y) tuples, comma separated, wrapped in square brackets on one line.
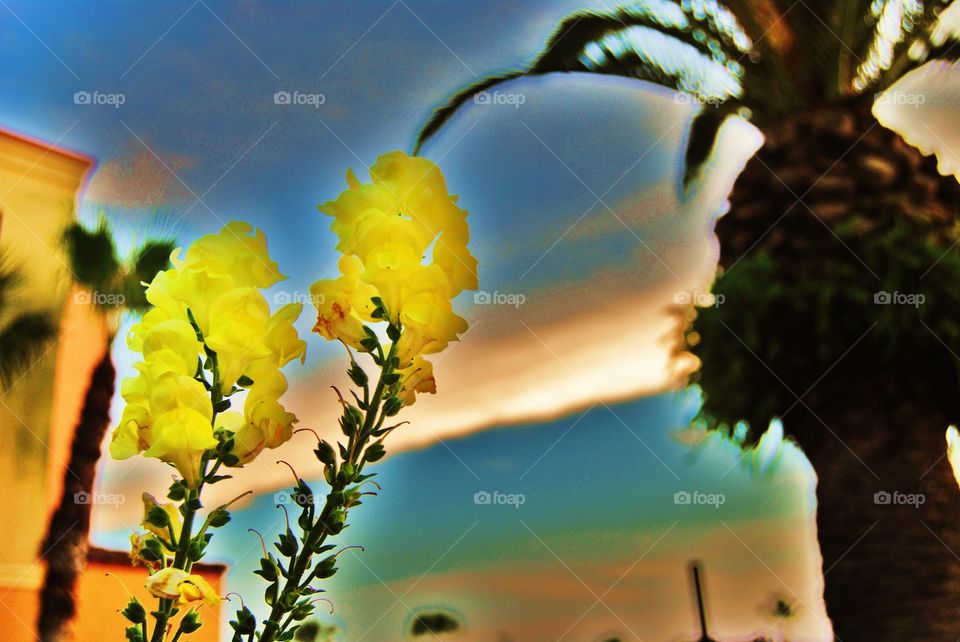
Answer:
[(22, 341), (701, 138), (92, 255), (905, 34), (445, 112), (894, 20), (9, 279), (695, 47), (149, 259)]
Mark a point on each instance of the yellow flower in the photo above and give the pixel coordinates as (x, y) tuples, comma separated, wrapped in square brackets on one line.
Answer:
[(452, 256), (418, 377), (175, 584), (343, 304), (178, 342), (385, 228), (181, 429), (282, 339), (407, 205), (196, 589), (233, 255), (173, 515), (125, 439), (429, 325), (419, 189), (238, 327), (264, 422), (217, 282)]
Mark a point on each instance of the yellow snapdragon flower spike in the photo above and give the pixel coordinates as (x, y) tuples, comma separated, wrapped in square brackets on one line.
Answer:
[(217, 286), (385, 230)]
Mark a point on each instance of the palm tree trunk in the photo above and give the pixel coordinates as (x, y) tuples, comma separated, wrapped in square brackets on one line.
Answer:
[(65, 546), (871, 421), (888, 517)]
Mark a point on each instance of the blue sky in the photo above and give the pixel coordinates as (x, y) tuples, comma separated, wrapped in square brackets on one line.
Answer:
[(574, 205)]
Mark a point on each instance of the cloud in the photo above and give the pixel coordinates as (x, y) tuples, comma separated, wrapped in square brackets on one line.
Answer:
[(136, 179)]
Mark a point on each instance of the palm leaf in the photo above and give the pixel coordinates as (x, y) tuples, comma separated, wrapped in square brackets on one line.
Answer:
[(444, 113), (701, 138), (22, 341), (92, 256), (696, 52), (149, 259), (9, 279)]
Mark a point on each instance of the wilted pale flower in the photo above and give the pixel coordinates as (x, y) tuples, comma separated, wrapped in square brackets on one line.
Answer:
[(138, 543), (385, 229), (175, 584), (214, 290)]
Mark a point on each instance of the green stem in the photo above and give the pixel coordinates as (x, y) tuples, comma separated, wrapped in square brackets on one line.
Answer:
[(180, 561), (318, 532), (181, 558)]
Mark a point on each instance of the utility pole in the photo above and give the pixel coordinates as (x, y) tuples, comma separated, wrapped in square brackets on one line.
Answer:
[(695, 566)]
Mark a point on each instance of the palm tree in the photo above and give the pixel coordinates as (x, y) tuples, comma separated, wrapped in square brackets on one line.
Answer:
[(114, 286), (23, 334), (838, 229)]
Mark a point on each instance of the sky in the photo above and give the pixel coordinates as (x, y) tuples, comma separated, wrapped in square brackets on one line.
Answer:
[(576, 216)]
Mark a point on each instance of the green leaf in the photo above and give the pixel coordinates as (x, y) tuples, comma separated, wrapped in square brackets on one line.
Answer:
[(392, 406), (158, 517), (134, 611), (324, 453), (219, 517), (375, 452), (190, 622)]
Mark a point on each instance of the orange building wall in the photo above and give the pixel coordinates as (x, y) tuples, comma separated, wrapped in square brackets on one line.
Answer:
[(100, 599)]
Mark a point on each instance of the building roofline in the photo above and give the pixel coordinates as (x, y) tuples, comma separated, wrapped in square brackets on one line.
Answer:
[(108, 556), (48, 147)]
